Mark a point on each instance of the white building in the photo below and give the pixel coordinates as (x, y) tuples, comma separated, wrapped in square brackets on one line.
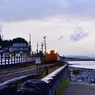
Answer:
[(19, 48)]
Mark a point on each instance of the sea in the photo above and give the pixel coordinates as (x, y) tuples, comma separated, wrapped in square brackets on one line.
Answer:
[(82, 64)]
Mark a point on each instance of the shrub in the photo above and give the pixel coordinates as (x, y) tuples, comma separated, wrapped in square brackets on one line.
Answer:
[(76, 72)]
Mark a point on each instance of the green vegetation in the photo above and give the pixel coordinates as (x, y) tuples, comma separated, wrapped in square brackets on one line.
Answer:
[(76, 72), (48, 71), (63, 84), (7, 43)]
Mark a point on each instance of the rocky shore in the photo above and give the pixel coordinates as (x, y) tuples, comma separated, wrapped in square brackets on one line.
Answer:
[(83, 76)]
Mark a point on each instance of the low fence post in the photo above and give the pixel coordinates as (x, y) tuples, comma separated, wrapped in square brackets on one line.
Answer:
[(5, 60), (47, 70), (8, 60), (11, 59), (14, 59), (1, 60), (19, 59)]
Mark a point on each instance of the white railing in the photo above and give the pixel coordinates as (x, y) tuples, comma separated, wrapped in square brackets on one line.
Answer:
[(14, 59)]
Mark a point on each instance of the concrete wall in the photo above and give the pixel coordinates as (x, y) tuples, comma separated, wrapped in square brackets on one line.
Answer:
[(54, 79)]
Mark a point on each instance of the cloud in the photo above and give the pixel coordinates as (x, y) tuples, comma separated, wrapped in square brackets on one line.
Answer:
[(59, 31), (79, 34), (11, 10), (16, 10)]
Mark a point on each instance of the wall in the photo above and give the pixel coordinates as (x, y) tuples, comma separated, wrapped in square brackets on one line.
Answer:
[(54, 79)]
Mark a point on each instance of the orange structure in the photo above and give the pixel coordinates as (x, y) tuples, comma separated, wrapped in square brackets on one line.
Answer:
[(52, 56)]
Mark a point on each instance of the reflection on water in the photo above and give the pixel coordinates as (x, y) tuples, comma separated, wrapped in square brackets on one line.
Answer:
[(82, 64)]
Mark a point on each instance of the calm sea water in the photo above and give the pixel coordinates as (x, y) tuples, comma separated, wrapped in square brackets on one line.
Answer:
[(82, 64)]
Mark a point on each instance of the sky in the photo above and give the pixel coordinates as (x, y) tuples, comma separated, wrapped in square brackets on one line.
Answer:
[(67, 24)]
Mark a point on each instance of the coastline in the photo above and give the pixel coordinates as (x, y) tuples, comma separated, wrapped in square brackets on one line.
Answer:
[(85, 76), (81, 84)]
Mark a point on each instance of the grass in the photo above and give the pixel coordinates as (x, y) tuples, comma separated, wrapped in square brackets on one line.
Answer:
[(63, 85), (50, 70)]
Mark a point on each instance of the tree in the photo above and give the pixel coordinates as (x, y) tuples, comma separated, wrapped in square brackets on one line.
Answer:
[(7, 43), (19, 40)]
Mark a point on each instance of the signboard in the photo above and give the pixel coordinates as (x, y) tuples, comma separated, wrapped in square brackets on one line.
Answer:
[(37, 60)]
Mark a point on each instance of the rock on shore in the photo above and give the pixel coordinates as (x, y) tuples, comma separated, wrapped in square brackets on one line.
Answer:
[(85, 75)]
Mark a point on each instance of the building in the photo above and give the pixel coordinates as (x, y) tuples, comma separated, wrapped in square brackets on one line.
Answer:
[(19, 48)]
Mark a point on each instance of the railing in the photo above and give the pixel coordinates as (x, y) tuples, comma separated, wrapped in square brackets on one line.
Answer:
[(15, 59)]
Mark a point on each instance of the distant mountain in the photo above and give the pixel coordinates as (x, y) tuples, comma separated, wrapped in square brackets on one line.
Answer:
[(77, 56)]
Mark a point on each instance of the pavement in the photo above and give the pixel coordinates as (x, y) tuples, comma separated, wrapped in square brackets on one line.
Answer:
[(79, 89)]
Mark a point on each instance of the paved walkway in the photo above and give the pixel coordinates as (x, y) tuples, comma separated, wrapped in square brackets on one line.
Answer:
[(79, 89)]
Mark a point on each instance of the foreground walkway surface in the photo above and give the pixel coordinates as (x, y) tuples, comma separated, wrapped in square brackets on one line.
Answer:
[(79, 89)]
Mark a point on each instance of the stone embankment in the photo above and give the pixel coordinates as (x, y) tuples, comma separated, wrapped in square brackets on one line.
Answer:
[(81, 83), (84, 76)]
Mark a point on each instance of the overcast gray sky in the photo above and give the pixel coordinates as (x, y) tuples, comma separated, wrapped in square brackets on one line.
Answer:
[(68, 24)]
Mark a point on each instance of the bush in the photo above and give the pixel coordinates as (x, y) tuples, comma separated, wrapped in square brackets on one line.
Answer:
[(76, 72)]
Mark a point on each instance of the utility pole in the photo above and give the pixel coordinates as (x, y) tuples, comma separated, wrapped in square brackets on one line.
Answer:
[(42, 47), (45, 43), (37, 48), (0, 37), (30, 43)]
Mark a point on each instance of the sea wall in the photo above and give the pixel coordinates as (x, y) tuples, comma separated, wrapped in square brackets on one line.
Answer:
[(54, 79), (85, 75)]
